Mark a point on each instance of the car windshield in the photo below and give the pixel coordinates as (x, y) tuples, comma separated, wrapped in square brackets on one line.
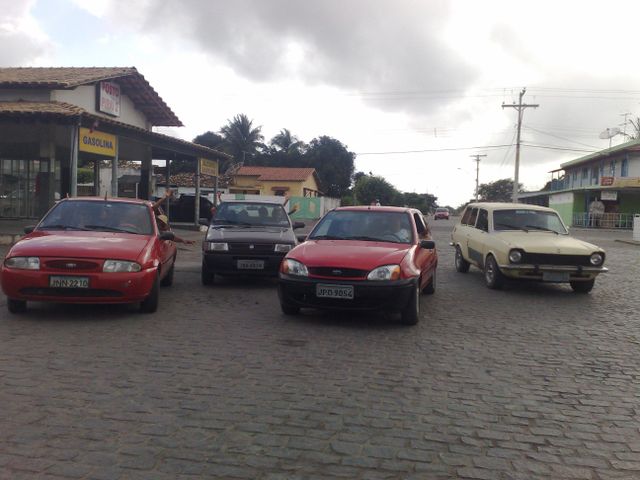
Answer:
[(441, 210), (103, 216), (251, 214), (368, 225), (526, 219)]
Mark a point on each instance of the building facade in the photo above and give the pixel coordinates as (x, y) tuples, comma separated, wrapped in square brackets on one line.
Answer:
[(279, 181)]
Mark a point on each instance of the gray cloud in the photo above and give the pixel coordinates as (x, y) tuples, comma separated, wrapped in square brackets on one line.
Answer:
[(20, 45), (390, 50)]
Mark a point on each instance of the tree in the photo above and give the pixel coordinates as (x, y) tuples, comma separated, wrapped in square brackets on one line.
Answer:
[(334, 165), (241, 139), (368, 189), (498, 191), (425, 202), (287, 143)]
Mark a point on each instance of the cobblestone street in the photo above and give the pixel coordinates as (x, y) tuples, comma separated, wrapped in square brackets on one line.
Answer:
[(531, 382)]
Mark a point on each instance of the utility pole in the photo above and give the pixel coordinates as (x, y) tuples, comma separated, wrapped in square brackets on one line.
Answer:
[(477, 160), (520, 107)]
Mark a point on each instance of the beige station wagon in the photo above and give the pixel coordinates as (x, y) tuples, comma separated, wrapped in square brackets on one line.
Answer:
[(527, 242)]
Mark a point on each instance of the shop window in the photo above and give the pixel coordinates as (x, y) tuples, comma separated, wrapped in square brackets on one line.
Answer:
[(585, 173), (574, 178), (624, 168), (594, 176), (612, 168)]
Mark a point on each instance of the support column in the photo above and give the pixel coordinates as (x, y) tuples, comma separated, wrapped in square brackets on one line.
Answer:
[(114, 170), (144, 189), (73, 173), (197, 199)]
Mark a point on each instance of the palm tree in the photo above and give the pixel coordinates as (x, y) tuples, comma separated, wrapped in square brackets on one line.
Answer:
[(287, 143), (241, 138)]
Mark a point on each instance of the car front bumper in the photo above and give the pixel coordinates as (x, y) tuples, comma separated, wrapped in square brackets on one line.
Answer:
[(33, 285), (227, 264), (367, 295), (561, 273)]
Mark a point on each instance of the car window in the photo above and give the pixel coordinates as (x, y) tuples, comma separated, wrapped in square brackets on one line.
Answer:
[(368, 225), (99, 216), (246, 213), (472, 217), (465, 216), (482, 222), (527, 219), (420, 225)]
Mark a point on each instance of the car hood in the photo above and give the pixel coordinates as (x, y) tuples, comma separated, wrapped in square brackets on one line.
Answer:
[(251, 234), (349, 253), (546, 242), (81, 245)]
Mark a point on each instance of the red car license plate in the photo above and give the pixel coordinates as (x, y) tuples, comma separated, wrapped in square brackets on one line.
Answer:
[(60, 281), (344, 292)]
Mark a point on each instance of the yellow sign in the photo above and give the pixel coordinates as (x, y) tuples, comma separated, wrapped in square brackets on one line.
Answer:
[(97, 142), (208, 167), (626, 182)]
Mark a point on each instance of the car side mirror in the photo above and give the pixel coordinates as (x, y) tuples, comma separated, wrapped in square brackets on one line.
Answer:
[(167, 236), (428, 244), (203, 221), (301, 238), (297, 225), (29, 228)]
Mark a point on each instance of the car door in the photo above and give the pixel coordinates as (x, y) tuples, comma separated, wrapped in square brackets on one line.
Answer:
[(424, 259), (477, 239), (464, 230)]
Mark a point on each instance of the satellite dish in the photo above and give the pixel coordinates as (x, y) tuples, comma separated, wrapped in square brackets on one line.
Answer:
[(609, 133)]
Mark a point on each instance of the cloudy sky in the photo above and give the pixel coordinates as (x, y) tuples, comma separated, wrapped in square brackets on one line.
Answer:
[(414, 87)]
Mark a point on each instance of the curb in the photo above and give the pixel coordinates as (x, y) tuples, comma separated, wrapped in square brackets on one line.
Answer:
[(628, 242)]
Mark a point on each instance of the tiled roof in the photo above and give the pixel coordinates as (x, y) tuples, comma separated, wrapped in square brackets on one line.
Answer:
[(277, 173), (66, 111), (187, 180), (132, 83)]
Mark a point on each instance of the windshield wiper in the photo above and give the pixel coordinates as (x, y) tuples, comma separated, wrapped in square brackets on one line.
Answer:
[(535, 227), (512, 227), (327, 237), (62, 227), (365, 238), (107, 228)]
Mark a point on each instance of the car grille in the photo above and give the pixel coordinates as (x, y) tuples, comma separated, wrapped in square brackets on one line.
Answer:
[(555, 259), (69, 264), (71, 292), (252, 248), (338, 272)]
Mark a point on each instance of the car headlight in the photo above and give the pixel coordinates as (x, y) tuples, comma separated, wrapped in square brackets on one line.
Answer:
[(23, 263), (117, 266), (596, 259), (386, 272), (294, 267), (282, 247), (216, 247), (515, 256)]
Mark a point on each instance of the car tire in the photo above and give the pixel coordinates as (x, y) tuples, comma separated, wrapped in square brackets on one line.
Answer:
[(289, 309), (462, 265), (167, 281), (493, 277), (207, 276), (411, 313), (583, 287), (430, 289), (16, 306), (150, 304)]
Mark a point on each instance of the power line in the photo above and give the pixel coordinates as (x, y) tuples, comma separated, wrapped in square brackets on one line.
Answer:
[(560, 138), (481, 147)]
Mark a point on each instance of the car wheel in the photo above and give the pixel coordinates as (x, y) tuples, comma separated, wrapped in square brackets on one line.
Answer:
[(583, 287), (493, 277), (206, 276), (167, 281), (150, 304), (411, 313), (289, 309), (16, 306), (462, 265), (431, 286)]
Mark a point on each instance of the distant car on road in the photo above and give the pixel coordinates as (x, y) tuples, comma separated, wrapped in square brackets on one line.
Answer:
[(441, 213), (247, 238), (362, 258), (524, 242), (91, 250)]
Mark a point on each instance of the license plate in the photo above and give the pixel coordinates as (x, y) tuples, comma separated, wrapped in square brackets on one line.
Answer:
[(555, 276), (250, 264), (344, 292), (68, 282)]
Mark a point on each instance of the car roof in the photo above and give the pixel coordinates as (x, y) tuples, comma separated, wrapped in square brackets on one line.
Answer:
[(509, 206), (364, 208), (108, 199), (253, 202)]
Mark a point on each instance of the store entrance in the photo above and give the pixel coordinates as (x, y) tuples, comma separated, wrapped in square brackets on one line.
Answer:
[(24, 188)]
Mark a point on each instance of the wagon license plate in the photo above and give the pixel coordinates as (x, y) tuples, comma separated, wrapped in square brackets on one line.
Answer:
[(555, 276), (57, 281), (250, 264), (344, 292)]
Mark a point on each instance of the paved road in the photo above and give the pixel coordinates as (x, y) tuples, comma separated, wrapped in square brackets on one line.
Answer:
[(533, 382)]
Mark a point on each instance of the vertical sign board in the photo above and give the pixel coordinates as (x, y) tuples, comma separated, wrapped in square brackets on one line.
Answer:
[(108, 98), (208, 167)]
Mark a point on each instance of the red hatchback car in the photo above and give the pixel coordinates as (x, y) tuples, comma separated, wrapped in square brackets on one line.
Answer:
[(91, 250), (362, 258)]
